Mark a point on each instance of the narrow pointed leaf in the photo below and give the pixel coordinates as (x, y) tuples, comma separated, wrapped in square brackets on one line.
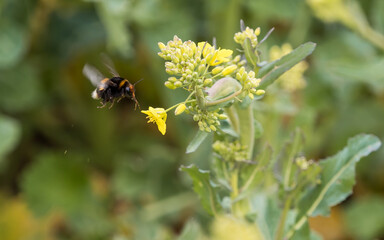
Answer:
[(249, 52), (271, 71), (196, 141)]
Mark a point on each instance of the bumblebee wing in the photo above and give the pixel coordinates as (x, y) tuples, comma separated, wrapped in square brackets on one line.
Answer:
[(109, 64), (92, 74)]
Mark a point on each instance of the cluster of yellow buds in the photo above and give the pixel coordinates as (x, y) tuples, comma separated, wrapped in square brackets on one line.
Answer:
[(293, 79), (212, 76), (309, 170), (189, 63), (303, 163), (206, 120), (248, 33), (230, 151), (249, 82)]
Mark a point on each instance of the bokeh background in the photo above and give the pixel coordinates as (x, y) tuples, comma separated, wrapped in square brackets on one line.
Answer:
[(69, 170)]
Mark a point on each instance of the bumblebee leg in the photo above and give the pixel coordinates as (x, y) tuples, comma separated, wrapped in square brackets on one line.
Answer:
[(103, 104), (113, 101)]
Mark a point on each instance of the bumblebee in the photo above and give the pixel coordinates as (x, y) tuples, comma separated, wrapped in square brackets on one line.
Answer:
[(109, 89)]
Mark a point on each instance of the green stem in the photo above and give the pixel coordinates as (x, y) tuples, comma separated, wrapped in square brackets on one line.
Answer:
[(374, 37), (236, 205), (291, 159), (223, 100), (233, 118), (280, 229), (193, 100), (247, 131)]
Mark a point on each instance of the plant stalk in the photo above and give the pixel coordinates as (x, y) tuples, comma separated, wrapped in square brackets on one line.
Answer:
[(280, 229)]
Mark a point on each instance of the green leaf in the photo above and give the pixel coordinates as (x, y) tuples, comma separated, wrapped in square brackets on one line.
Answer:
[(204, 187), (258, 129), (268, 213), (291, 151), (223, 88), (337, 179), (20, 88), (364, 218), (191, 231), (116, 15), (271, 71), (9, 134), (306, 233), (56, 182), (249, 53), (196, 141), (12, 44), (253, 174)]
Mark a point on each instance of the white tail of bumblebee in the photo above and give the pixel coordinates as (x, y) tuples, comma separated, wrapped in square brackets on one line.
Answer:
[(95, 95)]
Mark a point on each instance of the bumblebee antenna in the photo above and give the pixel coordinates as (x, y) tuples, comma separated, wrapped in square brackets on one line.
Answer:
[(138, 81)]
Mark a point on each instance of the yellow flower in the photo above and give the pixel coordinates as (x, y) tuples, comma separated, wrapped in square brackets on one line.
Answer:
[(214, 57), (158, 116)]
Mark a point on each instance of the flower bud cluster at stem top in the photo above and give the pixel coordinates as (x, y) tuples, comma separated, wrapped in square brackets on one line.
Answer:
[(249, 82), (248, 33), (230, 151), (197, 68), (189, 63)]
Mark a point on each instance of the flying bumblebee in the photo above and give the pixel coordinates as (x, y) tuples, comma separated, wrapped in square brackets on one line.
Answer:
[(109, 89)]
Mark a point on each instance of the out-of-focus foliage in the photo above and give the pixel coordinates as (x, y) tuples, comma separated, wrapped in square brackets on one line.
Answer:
[(69, 170), (362, 219)]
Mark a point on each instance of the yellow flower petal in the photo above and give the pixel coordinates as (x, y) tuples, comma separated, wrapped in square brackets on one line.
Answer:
[(220, 56), (158, 116), (225, 53), (206, 48)]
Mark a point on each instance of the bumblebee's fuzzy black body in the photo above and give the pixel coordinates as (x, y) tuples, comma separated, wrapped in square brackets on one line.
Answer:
[(115, 88), (109, 89)]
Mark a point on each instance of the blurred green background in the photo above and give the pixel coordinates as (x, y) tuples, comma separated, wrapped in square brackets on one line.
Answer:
[(69, 170)]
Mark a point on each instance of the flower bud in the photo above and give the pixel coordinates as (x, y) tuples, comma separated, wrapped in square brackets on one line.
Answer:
[(207, 82), (191, 66), (178, 84), (237, 59), (201, 68), (217, 70), (169, 85), (260, 92), (161, 45), (228, 70), (180, 109), (169, 65), (172, 79), (175, 59)]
